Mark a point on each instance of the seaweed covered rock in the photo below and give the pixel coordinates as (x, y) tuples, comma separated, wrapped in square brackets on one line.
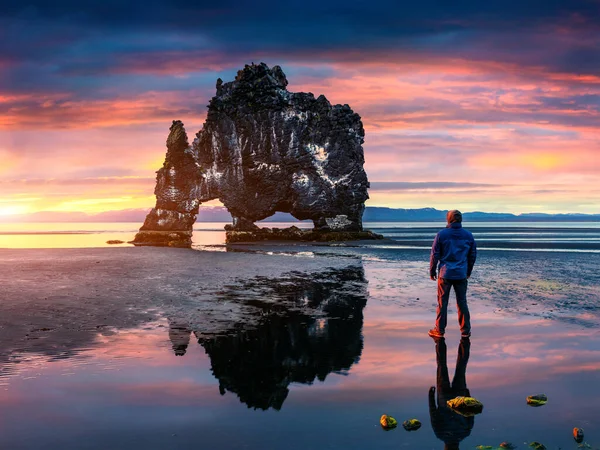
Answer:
[(465, 406), (537, 400), (503, 446), (262, 150), (411, 424), (388, 422)]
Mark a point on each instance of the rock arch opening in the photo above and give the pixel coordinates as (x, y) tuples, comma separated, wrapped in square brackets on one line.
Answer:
[(284, 219)]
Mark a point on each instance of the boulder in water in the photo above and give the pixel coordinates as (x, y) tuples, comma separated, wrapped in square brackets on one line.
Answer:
[(388, 422), (411, 424), (537, 400)]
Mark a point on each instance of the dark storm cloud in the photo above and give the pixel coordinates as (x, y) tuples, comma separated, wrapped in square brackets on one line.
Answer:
[(98, 36), (67, 51), (585, 102), (186, 13)]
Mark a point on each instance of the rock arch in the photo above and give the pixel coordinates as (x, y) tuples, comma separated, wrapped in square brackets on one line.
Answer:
[(261, 150)]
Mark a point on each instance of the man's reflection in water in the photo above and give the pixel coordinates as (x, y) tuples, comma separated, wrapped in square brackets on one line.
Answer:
[(447, 425)]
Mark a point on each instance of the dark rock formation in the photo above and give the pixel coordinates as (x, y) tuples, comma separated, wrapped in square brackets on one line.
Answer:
[(262, 149), (294, 233), (170, 222)]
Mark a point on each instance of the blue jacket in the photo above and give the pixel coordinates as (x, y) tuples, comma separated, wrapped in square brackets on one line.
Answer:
[(455, 250)]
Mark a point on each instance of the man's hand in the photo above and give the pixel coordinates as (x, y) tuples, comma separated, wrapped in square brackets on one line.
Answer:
[(432, 406), (433, 277)]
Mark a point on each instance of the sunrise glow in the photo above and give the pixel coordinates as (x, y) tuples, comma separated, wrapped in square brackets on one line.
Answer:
[(457, 102)]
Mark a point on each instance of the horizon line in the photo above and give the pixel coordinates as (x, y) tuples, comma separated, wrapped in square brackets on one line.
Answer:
[(82, 215)]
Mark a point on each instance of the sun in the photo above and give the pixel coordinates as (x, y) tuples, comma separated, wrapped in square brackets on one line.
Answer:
[(12, 210)]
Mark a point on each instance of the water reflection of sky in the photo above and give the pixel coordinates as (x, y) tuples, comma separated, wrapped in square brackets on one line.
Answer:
[(132, 390), (129, 390), (530, 236)]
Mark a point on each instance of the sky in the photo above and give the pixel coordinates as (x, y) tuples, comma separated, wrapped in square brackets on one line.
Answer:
[(488, 106)]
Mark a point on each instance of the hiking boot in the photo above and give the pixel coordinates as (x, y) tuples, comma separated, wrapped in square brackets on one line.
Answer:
[(435, 333)]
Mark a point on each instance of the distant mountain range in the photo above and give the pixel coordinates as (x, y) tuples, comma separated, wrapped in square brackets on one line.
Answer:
[(372, 214), (381, 214)]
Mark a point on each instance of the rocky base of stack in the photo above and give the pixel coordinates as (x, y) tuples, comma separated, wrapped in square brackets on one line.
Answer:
[(181, 239), (296, 234)]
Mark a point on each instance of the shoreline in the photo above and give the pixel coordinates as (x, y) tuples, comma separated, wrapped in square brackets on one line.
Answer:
[(126, 286)]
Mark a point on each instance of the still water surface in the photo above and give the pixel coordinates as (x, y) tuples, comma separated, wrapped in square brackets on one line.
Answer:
[(301, 380), (561, 236)]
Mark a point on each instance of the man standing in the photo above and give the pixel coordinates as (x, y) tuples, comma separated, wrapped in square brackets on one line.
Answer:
[(455, 250)]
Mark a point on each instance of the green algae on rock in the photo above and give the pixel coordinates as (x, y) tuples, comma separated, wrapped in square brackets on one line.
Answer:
[(503, 446), (537, 400), (411, 424), (388, 422), (465, 406), (537, 446)]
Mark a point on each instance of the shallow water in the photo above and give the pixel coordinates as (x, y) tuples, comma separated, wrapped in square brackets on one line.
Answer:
[(131, 391), (535, 236), (338, 337)]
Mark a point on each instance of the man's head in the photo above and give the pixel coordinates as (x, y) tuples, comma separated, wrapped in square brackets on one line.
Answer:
[(454, 216)]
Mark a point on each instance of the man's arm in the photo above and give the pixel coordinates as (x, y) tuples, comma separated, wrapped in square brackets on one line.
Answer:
[(471, 257), (432, 405), (435, 257)]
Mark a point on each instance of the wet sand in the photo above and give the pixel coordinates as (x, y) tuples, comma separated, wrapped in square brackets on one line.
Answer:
[(153, 348), (55, 300)]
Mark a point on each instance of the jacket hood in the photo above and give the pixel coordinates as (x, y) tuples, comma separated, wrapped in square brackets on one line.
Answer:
[(454, 216)]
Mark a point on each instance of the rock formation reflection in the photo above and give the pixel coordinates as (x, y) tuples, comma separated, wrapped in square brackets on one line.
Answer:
[(317, 333), (179, 334), (449, 426)]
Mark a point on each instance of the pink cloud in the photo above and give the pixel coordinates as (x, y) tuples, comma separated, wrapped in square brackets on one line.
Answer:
[(426, 120)]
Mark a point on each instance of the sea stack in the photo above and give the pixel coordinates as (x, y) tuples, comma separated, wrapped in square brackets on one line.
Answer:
[(262, 150)]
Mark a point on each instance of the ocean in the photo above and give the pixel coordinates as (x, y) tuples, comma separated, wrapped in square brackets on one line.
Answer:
[(294, 346), (531, 236)]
